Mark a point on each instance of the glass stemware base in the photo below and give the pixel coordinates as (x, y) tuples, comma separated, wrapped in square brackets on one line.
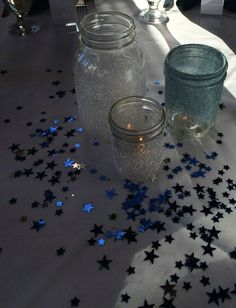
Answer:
[(154, 16), (24, 27)]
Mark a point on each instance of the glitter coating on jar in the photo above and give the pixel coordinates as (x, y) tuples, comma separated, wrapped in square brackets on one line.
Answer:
[(137, 125), (109, 65), (194, 76)]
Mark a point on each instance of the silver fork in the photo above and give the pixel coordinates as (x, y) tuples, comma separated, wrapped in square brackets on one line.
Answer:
[(91, 6), (84, 7)]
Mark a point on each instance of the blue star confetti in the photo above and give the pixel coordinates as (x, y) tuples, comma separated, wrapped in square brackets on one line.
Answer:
[(101, 242), (68, 163), (59, 203), (111, 193), (88, 207)]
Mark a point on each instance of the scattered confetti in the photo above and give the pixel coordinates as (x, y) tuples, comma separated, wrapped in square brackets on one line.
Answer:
[(88, 207)]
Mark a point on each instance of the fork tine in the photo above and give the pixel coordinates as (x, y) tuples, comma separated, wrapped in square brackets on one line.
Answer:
[(91, 5), (81, 12), (84, 7)]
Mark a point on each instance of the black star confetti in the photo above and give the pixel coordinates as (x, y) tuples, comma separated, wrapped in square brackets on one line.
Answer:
[(104, 263), (23, 219), (208, 249), (146, 305), (13, 200), (234, 291), (125, 298), (168, 303), (169, 289), (37, 225), (74, 302), (150, 256), (156, 245), (187, 286), (60, 251), (97, 230), (223, 294), (233, 253), (205, 281), (191, 262), (130, 270), (174, 278)]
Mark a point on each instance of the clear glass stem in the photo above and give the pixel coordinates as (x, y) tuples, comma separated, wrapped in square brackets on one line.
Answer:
[(153, 15), (153, 5)]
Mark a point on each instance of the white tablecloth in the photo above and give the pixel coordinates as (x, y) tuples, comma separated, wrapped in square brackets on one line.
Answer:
[(89, 238)]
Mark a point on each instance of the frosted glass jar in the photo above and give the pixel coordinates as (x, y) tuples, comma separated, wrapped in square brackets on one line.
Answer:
[(137, 125), (194, 77), (109, 65)]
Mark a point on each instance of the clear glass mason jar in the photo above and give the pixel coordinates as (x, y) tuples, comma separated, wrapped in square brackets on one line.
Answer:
[(137, 125), (109, 65), (194, 77)]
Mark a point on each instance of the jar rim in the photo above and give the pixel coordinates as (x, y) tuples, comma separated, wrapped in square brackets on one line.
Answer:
[(94, 19), (158, 127), (221, 70)]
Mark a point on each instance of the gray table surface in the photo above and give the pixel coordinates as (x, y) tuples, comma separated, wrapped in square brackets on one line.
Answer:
[(58, 264)]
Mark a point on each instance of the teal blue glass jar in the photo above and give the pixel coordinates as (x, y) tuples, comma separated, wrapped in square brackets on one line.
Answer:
[(194, 77)]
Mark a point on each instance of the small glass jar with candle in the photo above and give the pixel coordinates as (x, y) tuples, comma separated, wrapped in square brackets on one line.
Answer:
[(137, 125)]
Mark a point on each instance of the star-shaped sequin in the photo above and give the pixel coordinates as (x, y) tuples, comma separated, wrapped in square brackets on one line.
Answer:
[(223, 294), (76, 166), (111, 193), (205, 280), (74, 302), (191, 262), (59, 203), (97, 230), (13, 200), (156, 244), (37, 225), (104, 263), (101, 242), (174, 278), (130, 270), (88, 207), (130, 235), (208, 249), (146, 305), (60, 251), (125, 298), (168, 303), (113, 216), (77, 145), (169, 289), (213, 297), (68, 163), (150, 256), (23, 219), (187, 286), (49, 196)]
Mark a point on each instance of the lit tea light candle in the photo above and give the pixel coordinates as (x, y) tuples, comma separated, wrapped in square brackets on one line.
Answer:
[(129, 126)]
